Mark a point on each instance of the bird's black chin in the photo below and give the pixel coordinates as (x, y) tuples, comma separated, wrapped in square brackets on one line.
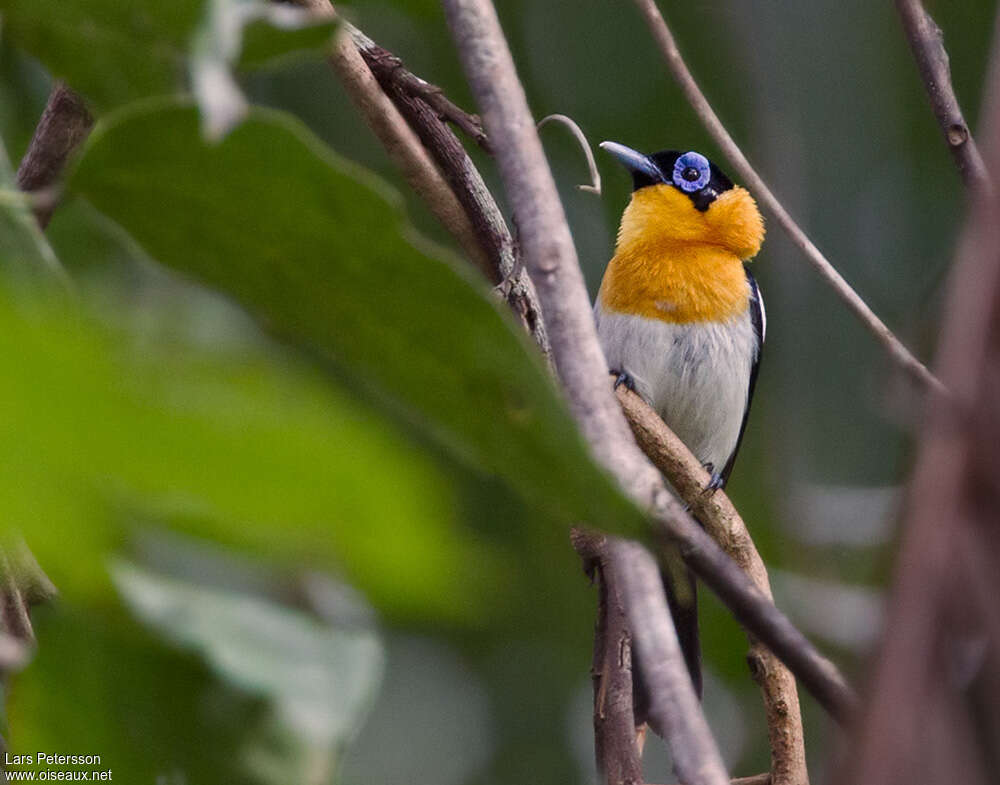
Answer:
[(703, 199)]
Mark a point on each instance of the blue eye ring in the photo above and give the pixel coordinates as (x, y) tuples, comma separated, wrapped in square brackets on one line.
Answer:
[(691, 172)]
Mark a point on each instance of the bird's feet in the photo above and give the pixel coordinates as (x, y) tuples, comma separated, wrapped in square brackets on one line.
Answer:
[(715, 482), (623, 377)]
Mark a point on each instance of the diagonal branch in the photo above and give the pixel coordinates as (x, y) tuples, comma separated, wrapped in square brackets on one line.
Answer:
[(433, 162), (687, 476), (401, 144), (504, 268), (389, 69), (926, 41), (753, 181)]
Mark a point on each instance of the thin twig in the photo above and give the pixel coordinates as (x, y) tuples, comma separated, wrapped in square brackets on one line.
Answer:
[(64, 125), (595, 176), (388, 68), (720, 518), (927, 42), (45, 199), (675, 62)]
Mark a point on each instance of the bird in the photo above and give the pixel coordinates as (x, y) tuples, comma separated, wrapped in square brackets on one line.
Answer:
[(681, 321)]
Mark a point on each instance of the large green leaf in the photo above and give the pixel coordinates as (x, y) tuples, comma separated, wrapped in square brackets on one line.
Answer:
[(114, 51), (319, 251), (102, 428)]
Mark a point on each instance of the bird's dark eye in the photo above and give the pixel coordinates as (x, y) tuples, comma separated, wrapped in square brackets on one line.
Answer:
[(691, 172)]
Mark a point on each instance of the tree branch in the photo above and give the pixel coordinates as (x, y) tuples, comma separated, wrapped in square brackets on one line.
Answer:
[(929, 694), (927, 42), (615, 745), (389, 70), (453, 188), (504, 269), (64, 125), (753, 181), (674, 710), (402, 145), (720, 518)]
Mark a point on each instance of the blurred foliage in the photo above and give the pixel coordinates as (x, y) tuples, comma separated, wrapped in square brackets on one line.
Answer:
[(308, 243), (261, 355)]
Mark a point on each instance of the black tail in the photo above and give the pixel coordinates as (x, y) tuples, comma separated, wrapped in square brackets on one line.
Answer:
[(682, 597)]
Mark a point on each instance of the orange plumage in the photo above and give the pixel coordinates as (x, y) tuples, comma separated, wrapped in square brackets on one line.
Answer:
[(679, 265)]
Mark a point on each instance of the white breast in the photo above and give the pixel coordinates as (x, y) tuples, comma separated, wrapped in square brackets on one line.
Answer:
[(696, 376)]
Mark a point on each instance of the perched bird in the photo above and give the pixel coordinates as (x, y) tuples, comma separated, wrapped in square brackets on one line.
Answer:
[(681, 319)]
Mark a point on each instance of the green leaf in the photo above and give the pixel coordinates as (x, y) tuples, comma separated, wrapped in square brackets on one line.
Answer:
[(112, 51), (103, 429), (116, 51), (219, 43), (319, 250), (319, 680), (270, 40)]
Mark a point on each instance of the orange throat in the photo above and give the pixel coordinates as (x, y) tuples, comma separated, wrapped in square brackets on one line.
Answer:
[(683, 283), (676, 264)]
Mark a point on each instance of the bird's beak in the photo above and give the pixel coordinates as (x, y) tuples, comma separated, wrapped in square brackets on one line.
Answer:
[(634, 161)]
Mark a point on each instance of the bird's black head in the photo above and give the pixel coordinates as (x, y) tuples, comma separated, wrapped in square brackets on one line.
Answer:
[(691, 172)]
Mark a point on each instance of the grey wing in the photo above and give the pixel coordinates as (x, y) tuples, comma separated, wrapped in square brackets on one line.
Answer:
[(758, 318)]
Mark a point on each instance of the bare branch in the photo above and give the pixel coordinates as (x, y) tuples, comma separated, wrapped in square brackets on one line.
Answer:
[(615, 747), (570, 123), (503, 269), (718, 515), (552, 263), (674, 711), (927, 42), (753, 181), (389, 69), (64, 125), (453, 188), (934, 709), (403, 146)]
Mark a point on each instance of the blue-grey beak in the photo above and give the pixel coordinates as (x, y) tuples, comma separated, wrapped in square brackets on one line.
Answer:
[(634, 161)]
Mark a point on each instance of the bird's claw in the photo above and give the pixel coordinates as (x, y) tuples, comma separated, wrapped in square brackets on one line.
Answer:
[(715, 482), (623, 377)]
